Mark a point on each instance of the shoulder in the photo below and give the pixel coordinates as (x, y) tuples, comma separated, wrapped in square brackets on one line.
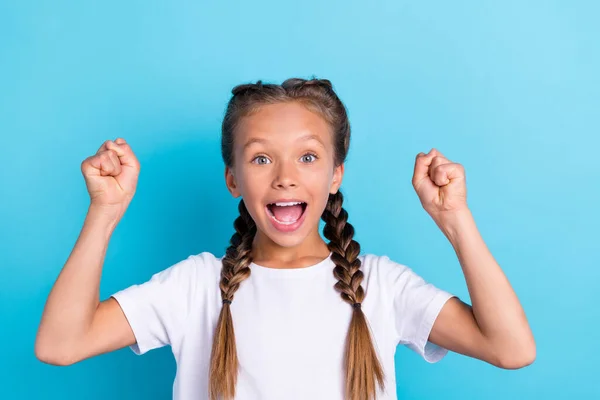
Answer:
[(386, 272), (205, 264), (382, 265), (384, 275), (193, 269), (206, 260)]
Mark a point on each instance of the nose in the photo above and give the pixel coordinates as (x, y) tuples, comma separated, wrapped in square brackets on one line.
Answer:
[(285, 176)]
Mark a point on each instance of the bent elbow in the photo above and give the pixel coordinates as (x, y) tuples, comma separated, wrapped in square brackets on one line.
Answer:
[(520, 360), (48, 355)]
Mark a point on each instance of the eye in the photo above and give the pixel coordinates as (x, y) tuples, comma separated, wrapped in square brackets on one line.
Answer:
[(309, 155), (260, 158)]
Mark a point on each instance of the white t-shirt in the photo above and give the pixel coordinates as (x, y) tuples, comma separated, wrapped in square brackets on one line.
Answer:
[(290, 324)]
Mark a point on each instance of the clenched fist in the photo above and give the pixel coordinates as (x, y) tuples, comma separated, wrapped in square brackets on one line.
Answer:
[(440, 184), (111, 176)]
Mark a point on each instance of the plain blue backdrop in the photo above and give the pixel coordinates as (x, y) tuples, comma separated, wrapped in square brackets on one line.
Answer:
[(509, 89)]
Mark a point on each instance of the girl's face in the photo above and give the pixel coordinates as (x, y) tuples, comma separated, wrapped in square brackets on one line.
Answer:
[(283, 153)]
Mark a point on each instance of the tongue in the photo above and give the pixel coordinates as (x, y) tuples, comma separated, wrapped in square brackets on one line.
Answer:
[(287, 213)]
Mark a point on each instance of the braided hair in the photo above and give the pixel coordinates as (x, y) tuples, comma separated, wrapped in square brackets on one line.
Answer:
[(363, 370)]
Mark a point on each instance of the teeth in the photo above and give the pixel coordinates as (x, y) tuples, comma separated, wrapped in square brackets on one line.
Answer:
[(284, 223), (292, 203), (284, 204)]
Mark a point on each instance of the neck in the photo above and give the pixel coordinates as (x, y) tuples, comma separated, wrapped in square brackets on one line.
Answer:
[(266, 252)]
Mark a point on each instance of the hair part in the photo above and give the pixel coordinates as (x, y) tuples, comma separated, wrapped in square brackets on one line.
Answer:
[(363, 370)]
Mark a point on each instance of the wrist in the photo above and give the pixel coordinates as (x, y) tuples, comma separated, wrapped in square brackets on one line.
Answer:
[(456, 224), (108, 215)]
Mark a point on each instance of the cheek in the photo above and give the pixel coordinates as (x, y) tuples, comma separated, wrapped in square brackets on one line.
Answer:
[(321, 179), (247, 180), (320, 184), (253, 187)]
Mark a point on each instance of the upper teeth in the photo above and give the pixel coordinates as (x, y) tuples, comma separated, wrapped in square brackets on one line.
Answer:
[(291, 203)]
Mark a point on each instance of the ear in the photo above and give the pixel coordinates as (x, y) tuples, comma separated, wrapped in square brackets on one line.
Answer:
[(231, 183), (338, 175)]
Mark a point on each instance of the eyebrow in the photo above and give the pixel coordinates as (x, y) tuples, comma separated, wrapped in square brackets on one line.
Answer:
[(301, 138)]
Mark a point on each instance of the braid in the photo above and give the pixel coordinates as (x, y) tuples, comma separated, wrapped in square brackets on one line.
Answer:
[(361, 362), (362, 367), (236, 268)]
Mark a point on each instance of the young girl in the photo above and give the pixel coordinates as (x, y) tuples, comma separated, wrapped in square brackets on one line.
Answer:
[(284, 314)]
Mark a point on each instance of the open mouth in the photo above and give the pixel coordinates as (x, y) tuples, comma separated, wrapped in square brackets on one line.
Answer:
[(286, 213)]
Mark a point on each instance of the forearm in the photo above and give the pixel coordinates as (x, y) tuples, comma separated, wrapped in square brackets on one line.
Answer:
[(495, 305), (73, 300)]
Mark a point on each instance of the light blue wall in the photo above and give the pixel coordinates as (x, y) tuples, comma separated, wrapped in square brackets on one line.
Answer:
[(509, 89)]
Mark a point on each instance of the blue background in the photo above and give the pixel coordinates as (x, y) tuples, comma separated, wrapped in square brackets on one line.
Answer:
[(508, 89)]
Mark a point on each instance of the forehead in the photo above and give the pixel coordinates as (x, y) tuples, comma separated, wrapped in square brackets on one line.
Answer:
[(282, 122)]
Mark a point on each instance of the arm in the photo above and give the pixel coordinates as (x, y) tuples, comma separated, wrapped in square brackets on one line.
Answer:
[(494, 328), (75, 324)]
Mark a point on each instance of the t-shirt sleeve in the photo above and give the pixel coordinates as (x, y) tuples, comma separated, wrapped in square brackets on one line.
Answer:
[(157, 309), (417, 304)]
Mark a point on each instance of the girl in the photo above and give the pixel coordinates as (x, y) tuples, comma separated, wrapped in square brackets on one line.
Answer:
[(284, 314)]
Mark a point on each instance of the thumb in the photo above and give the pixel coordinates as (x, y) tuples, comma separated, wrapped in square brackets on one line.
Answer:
[(421, 174)]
